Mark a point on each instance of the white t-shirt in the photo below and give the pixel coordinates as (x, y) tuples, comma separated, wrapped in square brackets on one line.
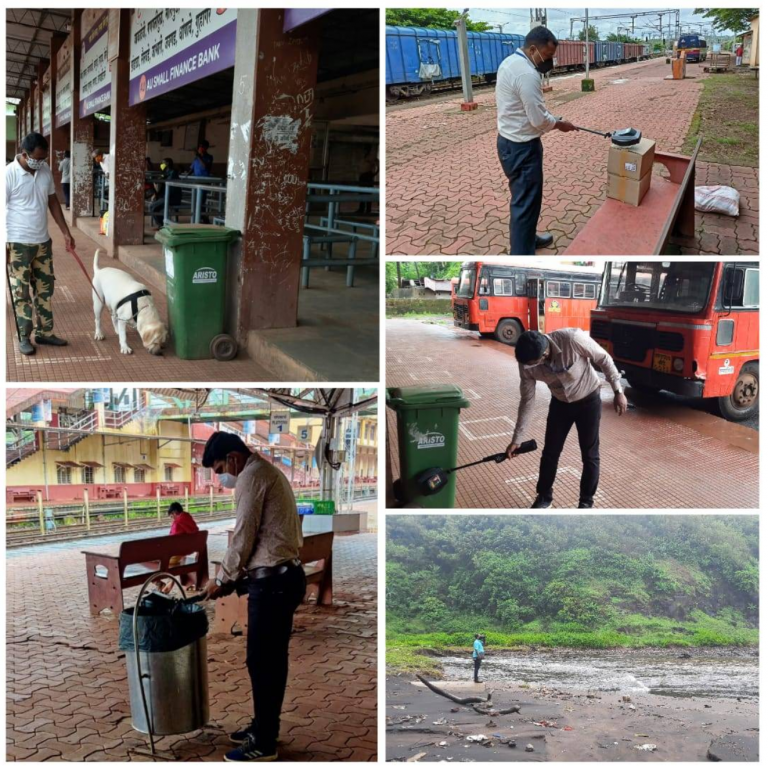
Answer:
[(26, 204), (521, 112)]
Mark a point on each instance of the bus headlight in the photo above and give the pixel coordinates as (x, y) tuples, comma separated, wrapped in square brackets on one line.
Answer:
[(678, 364)]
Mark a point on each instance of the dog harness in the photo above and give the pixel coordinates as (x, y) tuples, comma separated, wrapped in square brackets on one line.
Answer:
[(133, 298)]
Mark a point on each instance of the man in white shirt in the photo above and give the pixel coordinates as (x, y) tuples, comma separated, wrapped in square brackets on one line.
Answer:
[(29, 195), (522, 119)]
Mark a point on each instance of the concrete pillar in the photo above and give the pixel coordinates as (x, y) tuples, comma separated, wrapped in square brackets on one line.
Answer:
[(42, 65), (81, 136), (59, 141), (272, 110), (127, 147)]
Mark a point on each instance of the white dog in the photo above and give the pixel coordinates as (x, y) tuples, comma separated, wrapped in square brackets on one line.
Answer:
[(128, 301)]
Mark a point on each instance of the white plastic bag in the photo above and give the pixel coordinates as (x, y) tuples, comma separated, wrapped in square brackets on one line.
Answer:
[(717, 199)]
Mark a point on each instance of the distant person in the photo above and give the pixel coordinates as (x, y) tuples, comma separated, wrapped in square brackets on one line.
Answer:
[(478, 655), (103, 160), (523, 118), (739, 54), (157, 206), (30, 195), (65, 167), (368, 168), (149, 187), (563, 360), (201, 168)]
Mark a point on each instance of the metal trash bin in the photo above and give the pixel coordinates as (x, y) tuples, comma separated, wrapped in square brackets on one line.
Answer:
[(173, 658)]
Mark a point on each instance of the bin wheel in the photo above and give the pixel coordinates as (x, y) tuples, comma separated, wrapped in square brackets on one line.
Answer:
[(223, 348)]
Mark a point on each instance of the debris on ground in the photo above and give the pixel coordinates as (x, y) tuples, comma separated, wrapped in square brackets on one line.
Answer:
[(550, 724), (476, 738), (648, 748), (440, 721), (529, 748)]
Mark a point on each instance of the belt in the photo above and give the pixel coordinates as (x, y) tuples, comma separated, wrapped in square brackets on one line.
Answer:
[(258, 573)]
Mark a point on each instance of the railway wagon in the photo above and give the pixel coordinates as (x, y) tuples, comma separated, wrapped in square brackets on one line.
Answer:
[(608, 53), (420, 59), (570, 55), (632, 51)]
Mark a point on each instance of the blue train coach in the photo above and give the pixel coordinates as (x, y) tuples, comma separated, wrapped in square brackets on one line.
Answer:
[(420, 60)]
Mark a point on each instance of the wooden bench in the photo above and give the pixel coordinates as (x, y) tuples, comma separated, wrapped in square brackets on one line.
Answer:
[(170, 490), (109, 493), (110, 571), (23, 495), (667, 211), (316, 556)]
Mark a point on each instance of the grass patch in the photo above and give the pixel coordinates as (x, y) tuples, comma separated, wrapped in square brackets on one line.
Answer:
[(726, 119)]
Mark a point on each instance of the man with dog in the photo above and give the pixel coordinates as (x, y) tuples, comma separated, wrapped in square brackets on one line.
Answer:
[(263, 560), (563, 360), (30, 195)]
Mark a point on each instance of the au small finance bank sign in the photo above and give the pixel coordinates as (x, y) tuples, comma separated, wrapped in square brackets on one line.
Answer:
[(171, 47)]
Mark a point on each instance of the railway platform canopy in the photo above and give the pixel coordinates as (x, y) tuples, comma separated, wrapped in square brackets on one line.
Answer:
[(277, 140), (101, 468)]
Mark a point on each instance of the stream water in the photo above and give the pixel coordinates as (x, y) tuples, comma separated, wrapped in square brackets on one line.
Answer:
[(706, 673)]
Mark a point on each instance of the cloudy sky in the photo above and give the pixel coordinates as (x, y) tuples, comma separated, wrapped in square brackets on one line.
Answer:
[(517, 20)]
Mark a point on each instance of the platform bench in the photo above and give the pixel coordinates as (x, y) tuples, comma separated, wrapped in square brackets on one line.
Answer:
[(666, 212), (316, 557), (109, 572)]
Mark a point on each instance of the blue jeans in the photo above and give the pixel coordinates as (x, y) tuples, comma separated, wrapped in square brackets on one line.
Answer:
[(272, 602), (523, 165)]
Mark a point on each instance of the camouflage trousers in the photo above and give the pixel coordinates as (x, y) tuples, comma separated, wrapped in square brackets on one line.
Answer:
[(30, 268)]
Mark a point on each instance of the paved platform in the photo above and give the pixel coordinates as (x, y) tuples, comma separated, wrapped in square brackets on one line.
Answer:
[(657, 455), (447, 194), (342, 323), (67, 694)]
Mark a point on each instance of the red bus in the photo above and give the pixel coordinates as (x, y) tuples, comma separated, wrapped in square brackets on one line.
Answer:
[(685, 327), (503, 301)]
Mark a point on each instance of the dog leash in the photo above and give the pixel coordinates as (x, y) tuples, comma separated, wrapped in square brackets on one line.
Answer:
[(74, 254)]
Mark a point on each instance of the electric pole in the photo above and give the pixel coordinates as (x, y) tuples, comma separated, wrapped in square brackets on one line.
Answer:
[(466, 73), (586, 41)]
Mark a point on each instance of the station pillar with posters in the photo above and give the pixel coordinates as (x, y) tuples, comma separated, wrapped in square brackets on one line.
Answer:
[(59, 138), (272, 111), (82, 129)]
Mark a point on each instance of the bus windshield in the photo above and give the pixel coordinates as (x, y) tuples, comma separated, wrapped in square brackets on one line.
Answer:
[(666, 286), (466, 288)]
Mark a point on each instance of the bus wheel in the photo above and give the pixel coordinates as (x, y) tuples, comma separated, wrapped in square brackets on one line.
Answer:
[(508, 331), (744, 401)]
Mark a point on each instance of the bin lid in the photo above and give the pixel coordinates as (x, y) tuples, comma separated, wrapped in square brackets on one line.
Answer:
[(433, 395), (172, 236)]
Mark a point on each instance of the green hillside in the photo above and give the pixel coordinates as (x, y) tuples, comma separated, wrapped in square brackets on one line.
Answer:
[(589, 581)]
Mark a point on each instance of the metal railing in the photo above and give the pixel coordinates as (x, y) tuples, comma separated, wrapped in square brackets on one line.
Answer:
[(198, 192)]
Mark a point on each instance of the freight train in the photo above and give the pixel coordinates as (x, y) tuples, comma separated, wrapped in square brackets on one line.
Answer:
[(421, 60)]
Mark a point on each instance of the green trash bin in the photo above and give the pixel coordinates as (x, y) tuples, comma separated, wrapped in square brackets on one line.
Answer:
[(196, 279), (427, 437)]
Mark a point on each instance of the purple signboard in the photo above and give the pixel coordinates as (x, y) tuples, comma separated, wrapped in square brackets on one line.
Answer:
[(295, 17), (64, 84), (171, 48), (95, 81)]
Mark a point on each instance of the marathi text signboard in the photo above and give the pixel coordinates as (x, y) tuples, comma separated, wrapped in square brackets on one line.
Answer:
[(95, 82), (64, 84), (36, 107), (46, 111), (171, 47), (296, 17)]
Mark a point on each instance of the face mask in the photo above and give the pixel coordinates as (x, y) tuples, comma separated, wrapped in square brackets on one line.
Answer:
[(545, 65), (226, 479), (163, 166), (34, 164)]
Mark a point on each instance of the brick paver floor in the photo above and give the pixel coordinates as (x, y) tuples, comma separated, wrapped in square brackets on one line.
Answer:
[(447, 194), (651, 457), (67, 693)]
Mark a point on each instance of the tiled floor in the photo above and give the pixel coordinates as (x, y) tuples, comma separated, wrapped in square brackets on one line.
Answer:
[(447, 194), (649, 458), (67, 690)]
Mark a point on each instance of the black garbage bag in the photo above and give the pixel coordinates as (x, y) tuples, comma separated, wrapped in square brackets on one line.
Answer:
[(165, 624)]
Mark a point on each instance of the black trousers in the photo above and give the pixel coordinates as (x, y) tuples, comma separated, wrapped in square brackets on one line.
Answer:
[(65, 189), (523, 165), (585, 414), (272, 602), (478, 662)]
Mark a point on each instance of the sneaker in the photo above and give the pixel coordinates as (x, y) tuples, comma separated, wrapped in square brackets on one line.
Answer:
[(250, 751), (541, 502), (240, 736), (49, 340), (586, 504), (26, 348)]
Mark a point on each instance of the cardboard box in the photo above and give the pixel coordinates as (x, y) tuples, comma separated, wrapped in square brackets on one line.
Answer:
[(628, 189), (632, 161)]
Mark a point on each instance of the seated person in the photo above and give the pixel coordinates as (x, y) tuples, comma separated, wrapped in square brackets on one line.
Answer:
[(157, 207), (182, 524)]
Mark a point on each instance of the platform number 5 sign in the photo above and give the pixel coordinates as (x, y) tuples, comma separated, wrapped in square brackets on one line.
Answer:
[(304, 434), (279, 422)]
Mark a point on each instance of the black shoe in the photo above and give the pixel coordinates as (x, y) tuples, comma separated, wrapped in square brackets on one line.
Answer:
[(26, 347), (50, 340), (250, 751), (544, 240), (541, 502), (586, 504)]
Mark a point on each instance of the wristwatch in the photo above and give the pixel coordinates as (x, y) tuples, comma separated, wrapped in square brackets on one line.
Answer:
[(219, 582)]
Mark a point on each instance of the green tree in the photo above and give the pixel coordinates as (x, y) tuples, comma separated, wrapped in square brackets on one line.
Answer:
[(729, 19), (614, 37), (435, 18), (594, 34)]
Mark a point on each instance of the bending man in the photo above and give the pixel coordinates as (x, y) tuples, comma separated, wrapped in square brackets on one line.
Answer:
[(563, 360)]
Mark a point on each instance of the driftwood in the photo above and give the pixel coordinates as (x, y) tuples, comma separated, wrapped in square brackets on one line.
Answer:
[(473, 702)]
